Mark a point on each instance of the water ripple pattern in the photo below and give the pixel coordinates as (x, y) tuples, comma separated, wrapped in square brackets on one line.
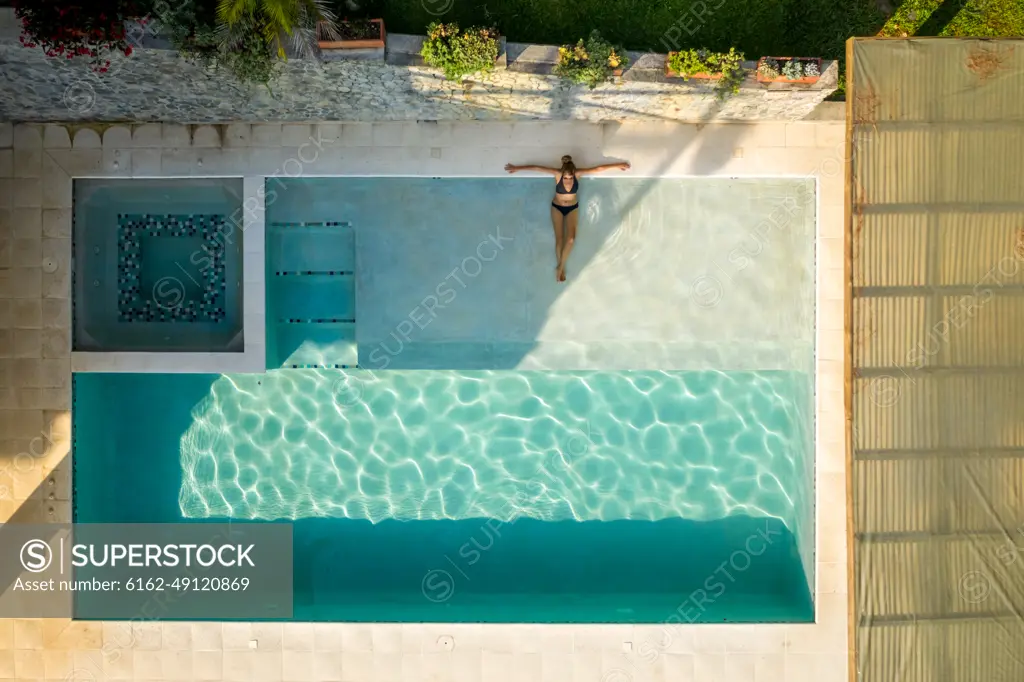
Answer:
[(647, 445)]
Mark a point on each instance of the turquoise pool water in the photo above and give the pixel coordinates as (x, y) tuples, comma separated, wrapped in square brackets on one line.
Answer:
[(612, 496), (440, 480)]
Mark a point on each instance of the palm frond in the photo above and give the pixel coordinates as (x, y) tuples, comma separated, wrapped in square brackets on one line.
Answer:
[(280, 14), (323, 18), (232, 11), (314, 21), (303, 42), (300, 22), (229, 36), (320, 9)]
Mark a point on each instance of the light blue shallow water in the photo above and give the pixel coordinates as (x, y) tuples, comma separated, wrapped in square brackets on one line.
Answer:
[(616, 495)]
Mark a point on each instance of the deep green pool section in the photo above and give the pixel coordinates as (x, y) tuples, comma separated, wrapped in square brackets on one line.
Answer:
[(483, 496)]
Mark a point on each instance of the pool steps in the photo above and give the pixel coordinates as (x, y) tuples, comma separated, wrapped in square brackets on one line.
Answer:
[(311, 296)]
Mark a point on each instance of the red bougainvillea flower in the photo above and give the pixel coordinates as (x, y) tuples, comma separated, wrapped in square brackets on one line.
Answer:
[(72, 29)]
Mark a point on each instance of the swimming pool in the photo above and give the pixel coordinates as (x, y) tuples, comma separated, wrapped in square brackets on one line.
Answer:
[(611, 495), (157, 265), (454, 484)]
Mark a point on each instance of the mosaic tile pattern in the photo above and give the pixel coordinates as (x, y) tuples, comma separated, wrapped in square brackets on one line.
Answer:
[(167, 299)]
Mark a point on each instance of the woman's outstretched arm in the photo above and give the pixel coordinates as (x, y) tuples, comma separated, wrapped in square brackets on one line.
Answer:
[(538, 169), (604, 167)]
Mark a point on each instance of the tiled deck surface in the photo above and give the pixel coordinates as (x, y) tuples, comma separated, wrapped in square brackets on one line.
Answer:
[(36, 167)]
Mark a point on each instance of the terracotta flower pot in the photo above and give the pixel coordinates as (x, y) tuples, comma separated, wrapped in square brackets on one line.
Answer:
[(359, 44), (782, 79), (669, 73)]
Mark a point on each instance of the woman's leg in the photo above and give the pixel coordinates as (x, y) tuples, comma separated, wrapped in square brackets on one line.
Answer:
[(558, 223), (571, 221)]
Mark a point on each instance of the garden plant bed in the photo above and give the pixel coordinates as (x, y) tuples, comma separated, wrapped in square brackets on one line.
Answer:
[(669, 73), (772, 70), (724, 69), (357, 34), (816, 27), (457, 52), (591, 61)]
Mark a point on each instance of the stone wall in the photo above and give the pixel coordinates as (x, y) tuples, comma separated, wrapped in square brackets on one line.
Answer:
[(157, 85)]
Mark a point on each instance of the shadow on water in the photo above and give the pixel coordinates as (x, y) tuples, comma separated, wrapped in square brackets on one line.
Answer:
[(733, 570), (736, 569), (127, 469)]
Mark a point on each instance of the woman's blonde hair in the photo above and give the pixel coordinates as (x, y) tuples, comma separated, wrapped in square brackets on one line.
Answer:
[(568, 166)]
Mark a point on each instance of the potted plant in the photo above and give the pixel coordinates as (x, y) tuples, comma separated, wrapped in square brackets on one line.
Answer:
[(459, 53), (788, 70), (353, 34), (724, 67), (592, 62)]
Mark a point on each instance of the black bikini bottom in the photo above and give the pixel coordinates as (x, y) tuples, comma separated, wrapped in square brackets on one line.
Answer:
[(565, 210)]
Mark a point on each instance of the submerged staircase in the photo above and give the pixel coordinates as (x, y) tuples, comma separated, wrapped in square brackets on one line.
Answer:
[(311, 296)]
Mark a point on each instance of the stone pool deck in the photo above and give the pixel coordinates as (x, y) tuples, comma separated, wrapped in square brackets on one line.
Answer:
[(37, 164)]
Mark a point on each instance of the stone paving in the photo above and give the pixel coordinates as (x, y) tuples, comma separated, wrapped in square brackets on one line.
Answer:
[(157, 85)]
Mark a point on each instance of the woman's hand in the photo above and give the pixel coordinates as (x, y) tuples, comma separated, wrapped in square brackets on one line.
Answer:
[(624, 165), (509, 168)]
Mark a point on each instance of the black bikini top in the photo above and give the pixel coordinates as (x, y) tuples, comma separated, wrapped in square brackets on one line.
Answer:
[(560, 188)]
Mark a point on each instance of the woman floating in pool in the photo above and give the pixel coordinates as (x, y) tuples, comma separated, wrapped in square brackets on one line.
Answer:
[(565, 214)]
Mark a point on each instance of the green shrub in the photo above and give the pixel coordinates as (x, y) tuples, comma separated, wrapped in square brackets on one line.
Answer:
[(245, 53), (296, 21), (191, 26), (590, 63), (685, 63), (460, 53)]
